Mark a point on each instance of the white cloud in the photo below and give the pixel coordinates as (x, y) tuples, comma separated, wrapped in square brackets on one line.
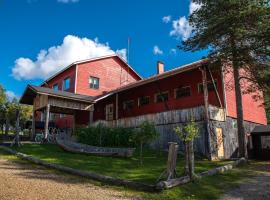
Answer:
[(193, 7), (67, 1), (157, 50), (173, 51), (56, 58), (181, 28), (166, 19), (11, 95)]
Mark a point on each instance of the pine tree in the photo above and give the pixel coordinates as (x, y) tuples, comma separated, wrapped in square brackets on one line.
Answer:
[(237, 32)]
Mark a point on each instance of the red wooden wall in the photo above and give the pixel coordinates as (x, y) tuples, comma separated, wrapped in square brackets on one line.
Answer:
[(253, 110), (70, 72), (190, 78), (110, 72)]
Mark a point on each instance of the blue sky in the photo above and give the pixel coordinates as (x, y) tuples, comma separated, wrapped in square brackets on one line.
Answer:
[(74, 29)]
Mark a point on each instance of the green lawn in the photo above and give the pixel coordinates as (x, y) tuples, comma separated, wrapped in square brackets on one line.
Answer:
[(206, 188), (126, 168)]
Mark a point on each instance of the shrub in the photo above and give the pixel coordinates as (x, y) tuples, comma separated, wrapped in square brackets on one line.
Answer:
[(145, 134), (101, 135)]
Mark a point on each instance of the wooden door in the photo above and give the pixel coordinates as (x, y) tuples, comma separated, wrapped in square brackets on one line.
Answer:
[(220, 145), (109, 112)]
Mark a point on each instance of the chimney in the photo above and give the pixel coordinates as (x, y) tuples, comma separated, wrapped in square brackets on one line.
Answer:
[(160, 67)]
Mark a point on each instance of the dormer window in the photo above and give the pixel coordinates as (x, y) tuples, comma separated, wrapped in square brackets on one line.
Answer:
[(94, 82), (66, 84)]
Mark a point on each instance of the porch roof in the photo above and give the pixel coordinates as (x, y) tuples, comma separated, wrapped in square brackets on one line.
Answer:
[(261, 129), (31, 92)]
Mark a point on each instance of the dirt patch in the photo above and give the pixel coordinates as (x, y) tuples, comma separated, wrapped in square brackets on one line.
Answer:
[(256, 188), (25, 181)]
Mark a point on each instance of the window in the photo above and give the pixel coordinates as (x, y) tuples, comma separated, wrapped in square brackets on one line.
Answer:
[(66, 84), (182, 92), (128, 105), (55, 87), (93, 82), (210, 86), (144, 100), (162, 97)]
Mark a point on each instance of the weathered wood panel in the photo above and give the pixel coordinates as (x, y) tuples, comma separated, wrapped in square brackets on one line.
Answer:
[(69, 104), (169, 117), (165, 124), (40, 101)]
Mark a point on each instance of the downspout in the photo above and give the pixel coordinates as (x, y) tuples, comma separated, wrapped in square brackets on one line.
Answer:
[(206, 108)]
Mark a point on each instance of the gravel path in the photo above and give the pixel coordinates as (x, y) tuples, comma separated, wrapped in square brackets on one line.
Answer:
[(28, 182), (257, 188)]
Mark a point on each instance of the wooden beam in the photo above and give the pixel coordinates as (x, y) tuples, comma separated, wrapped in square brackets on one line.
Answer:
[(206, 108), (215, 87), (116, 106), (46, 127), (91, 117), (33, 124)]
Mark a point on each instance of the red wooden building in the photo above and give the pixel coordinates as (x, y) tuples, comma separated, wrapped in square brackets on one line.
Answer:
[(118, 96)]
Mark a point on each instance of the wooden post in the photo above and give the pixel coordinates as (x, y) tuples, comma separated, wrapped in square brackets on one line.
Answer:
[(33, 124), (116, 109), (46, 126), (91, 114), (171, 163), (206, 108)]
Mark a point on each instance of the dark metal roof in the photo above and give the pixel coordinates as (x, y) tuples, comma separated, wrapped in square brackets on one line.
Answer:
[(261, 129), (31, 91)]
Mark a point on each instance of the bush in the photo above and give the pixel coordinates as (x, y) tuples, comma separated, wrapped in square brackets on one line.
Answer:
[(101, 135)]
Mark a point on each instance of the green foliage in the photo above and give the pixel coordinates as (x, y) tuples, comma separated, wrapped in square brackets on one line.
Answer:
[(3, 97), (188, 133), (146, 133), (235, 31), (101, 135)]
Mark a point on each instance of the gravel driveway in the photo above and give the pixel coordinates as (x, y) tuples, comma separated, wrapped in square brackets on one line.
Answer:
[(25, 181), (257, 188)]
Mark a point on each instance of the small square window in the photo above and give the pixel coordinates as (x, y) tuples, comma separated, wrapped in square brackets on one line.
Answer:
[(66, 84), (128, 105), (55, 87), (93, 82), (144, 100), (182, 92), (162, 97)]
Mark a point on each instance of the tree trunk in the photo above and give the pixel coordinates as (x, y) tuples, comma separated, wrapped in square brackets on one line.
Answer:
[(242, 151), (186, 168), (17, 136), (191, 160), (7, 126), (141, 146)]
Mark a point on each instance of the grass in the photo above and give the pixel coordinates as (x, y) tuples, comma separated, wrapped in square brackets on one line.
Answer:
[(206, 188), (154, 163)]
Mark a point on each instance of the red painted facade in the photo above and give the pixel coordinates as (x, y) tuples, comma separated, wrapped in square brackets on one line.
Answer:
[(253, 110), (59, 79), (113, 74), (190, 78)]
